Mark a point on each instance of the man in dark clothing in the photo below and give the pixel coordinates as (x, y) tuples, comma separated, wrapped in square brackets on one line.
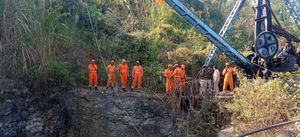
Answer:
[(288, 49), (205, 81)]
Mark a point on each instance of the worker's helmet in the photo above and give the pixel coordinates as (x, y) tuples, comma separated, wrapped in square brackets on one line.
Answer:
[(176, 65), (123, 60), (183, 66), (170, 65), (227, 64)]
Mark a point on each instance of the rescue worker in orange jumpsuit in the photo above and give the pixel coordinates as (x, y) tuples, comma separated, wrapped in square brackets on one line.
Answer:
[(175, 77), (182, 75), (93, 75), (137, 74), (179, 76), (124, 73), (228, 73), (111, 71), (169, 79)]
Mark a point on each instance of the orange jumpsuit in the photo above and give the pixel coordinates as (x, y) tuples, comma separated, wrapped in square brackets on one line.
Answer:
[(179, 75), (93, 75), (228, 78), (169, 85), (111, 70), (124, 72), (137, 74), (159, 2)]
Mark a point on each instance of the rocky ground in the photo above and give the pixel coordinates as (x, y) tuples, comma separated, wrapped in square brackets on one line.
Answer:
[(95, 113), (85, 113)]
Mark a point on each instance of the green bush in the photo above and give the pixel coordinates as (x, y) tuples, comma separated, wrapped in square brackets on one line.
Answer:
[(33, 79), (204, 122), (60, 75)]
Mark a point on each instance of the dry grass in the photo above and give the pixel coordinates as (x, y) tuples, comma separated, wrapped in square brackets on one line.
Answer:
[(259, 104)]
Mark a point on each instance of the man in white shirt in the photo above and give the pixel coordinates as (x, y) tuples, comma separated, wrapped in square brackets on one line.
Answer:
[(216, 78)]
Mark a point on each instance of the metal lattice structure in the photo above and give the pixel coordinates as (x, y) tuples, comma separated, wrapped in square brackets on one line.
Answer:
[(225, 31), (294, 9)]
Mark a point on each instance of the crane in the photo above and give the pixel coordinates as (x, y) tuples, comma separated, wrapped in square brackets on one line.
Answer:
[(264, 49), (216, 39)]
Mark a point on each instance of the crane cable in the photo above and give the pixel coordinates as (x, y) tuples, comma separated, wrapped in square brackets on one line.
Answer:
[(77, 83), (102, 59)]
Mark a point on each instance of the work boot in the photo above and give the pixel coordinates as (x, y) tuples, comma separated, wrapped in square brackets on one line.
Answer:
[(112, 87), (132, 90), (106, 87), (124, 89), (96, 88), (90, 88)]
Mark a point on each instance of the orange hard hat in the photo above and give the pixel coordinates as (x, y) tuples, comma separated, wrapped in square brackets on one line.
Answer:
[(227, 64), (123, 60), (170, 65), (182, 66), (176, 65), (93, 60)]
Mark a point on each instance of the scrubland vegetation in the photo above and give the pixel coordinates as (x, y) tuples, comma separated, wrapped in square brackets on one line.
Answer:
[(47, 45)]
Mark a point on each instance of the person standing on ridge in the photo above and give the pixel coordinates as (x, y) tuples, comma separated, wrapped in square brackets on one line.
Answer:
[(124, 73), (228, 73), (205, 82), (111, 71), (137, 74), (216, 78), (93, 75), (169, 79), (179, 76), (182, 75), (176, 77)]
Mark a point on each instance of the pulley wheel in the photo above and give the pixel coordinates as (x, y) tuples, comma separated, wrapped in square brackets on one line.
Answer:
[(266, 45)]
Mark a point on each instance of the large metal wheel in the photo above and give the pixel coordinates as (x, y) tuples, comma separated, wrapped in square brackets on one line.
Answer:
[(266, 45)]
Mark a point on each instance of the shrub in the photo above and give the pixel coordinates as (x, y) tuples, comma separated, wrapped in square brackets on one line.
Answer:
[(60, 75), (204, 121), (260, 103), (33, 79)]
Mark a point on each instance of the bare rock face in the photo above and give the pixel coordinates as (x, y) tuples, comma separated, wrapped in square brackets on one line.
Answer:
[(103, 114), (226, 132), (85, 113), (24, 115)]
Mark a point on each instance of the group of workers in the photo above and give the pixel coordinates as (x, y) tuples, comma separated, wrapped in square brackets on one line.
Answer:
[(137, 74), (208, 75), (175, 79)]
